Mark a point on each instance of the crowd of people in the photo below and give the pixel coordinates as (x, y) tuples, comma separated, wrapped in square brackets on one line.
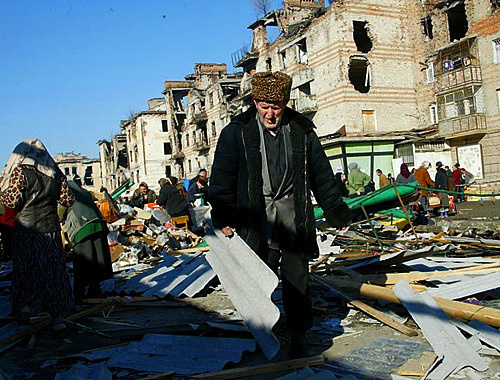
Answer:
[(358, 183), (40, 208)]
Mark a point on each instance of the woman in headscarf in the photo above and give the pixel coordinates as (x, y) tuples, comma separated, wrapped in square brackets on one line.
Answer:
[(405, 175), (33, 184)]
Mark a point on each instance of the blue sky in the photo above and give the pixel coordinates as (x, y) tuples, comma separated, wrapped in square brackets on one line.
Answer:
[(70, 70)]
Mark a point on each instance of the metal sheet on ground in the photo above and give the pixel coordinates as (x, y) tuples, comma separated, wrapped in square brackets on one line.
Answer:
[(448, 343), (186, 355)]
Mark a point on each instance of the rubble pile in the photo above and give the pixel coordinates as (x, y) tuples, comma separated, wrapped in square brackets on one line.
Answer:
[(391, 300)]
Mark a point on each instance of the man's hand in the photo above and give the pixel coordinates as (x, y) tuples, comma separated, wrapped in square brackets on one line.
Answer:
[(228, 232)]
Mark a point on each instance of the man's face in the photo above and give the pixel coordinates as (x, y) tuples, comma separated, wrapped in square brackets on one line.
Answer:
[(270, 113), (143, 190)]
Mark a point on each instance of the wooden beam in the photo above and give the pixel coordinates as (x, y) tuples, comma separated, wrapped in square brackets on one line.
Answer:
[(378, 315), (263, 369), (454, 309)]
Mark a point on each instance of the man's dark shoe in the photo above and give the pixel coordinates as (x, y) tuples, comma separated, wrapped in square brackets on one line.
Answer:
[(299, 347)]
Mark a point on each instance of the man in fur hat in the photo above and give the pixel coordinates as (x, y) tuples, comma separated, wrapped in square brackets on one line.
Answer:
[(267, 162)]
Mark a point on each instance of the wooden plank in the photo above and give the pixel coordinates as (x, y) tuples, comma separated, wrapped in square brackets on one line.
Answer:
[(448, 343), (188, 250), (454, 309), (417, 367), (393, 278), (22, 332), (263, 369), (378, 315)]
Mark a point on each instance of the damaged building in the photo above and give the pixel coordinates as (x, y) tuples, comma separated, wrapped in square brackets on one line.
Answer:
[(197, 109), (149, 146), (460, 94), (385, 82), (75, 165), (114, 162)]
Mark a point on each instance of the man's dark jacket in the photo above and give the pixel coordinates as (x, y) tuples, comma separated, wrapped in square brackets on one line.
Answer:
[(236, 182)]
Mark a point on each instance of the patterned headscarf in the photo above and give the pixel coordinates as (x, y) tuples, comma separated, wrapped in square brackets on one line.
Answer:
[(30, 152)]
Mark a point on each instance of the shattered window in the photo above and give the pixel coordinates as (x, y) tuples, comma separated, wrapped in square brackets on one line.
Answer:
[(361, 38), (457, 21), (427, 27), (302, 51), (467, 101), (359, 74)]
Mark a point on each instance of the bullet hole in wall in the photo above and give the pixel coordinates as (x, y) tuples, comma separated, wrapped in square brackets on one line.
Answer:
[(360, 35), (359, 74)]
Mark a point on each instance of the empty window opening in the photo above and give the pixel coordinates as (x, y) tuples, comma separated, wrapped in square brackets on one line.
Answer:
[(73, 170), (66, 171), (361, 38), (269, 66), (168, 170), (167, 148), (359, 74), (433, 115), (427, 27), (283, 59), (87, 179), (457, 21), (164, 125), (302, 51), (305, 90), (496, 50)]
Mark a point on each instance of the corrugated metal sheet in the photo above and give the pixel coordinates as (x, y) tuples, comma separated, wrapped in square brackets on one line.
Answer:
[(82, 372), (188, 278), (249, 283), (186, 355)]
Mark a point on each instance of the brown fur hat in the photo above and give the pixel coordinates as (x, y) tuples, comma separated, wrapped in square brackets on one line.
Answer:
[(271, 87)]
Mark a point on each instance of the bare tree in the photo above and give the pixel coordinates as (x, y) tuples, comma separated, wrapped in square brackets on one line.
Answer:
[(261, 7)]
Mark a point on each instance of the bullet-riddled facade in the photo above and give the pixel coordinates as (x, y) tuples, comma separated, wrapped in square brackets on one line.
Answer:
[(385, 82)]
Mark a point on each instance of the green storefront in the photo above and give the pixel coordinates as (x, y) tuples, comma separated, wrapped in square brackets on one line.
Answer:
[(370, 153)]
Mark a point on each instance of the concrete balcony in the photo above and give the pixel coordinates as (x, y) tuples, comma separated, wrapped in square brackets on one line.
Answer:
[(463, 126), (452, 79), (177, 155), (201, 146), (305, 104)]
